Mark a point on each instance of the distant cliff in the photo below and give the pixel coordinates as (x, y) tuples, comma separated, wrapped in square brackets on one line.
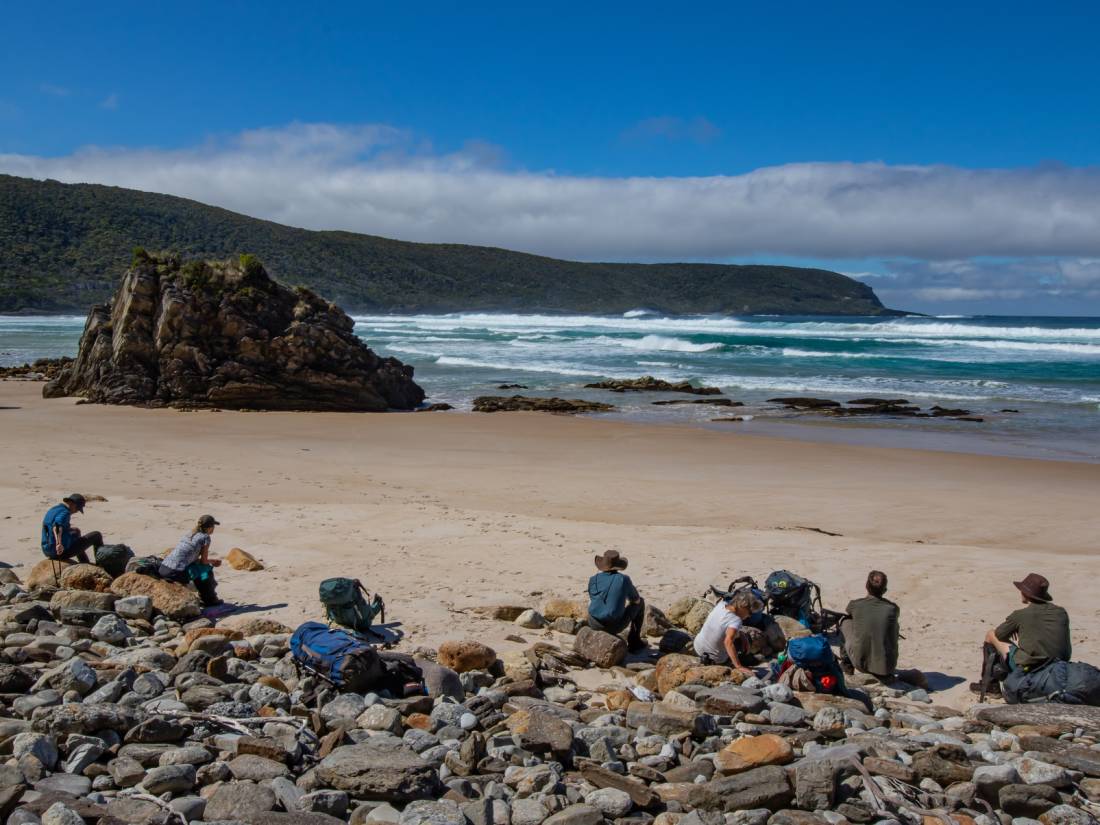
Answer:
[(63, 245)]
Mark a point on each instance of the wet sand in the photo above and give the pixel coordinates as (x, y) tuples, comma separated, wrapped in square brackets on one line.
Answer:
[(445, 511)]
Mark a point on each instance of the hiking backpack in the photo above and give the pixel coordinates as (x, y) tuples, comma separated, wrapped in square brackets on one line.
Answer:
[(814, 655), (145, 565), (346, 606), (792, 596), (343, 660), (113, 558), (1070, 683)]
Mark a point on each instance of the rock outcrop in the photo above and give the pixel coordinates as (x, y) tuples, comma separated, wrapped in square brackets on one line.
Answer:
[(647, 383), (201, 334), (521, 403)]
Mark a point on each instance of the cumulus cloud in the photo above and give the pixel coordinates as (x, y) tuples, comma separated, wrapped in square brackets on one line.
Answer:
[(1027, 286), (380, 180), (930, 222)]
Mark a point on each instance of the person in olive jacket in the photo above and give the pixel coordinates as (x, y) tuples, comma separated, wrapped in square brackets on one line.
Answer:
[(871, 633), (1035, 635)]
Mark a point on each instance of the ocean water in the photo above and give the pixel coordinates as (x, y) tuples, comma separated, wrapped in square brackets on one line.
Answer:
[(1046, 368)]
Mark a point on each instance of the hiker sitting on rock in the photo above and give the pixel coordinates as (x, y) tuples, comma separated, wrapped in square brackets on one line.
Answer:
[(190, 562), (1034, 635), (870, 635), (62, 541), (614, 603), (720, 638)]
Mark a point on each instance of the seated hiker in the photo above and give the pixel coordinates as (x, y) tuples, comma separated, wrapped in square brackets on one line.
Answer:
[(721, 639), (62, 541), (870, 635), (1035, 635), (614, 603), (190, 562)]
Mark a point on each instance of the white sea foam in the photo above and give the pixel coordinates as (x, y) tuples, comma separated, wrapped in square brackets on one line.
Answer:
[(659, 343)]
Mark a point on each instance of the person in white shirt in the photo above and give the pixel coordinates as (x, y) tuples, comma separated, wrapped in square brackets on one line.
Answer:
[(716, 643)]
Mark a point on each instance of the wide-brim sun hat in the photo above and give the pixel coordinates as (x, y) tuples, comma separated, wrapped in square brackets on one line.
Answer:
[(1035, 587), (611, 560)]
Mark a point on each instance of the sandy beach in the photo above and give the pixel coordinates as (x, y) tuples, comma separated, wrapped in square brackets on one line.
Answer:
[(442, 512)]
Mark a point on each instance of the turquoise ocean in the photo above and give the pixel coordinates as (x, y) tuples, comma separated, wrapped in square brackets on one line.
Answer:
[(1046, 368)]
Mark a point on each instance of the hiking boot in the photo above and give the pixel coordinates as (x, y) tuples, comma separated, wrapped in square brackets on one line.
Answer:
[(993, 690)]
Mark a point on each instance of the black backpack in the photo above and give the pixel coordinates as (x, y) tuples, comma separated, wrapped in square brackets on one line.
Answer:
[(113, 558), (1070, 683), (145, 565), (792, 596)]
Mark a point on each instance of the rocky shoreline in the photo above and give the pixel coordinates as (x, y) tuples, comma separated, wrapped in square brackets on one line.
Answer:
[(118, 704)]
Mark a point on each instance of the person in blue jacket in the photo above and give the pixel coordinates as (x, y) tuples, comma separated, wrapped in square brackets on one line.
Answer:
[(614, 603), (60, 540)]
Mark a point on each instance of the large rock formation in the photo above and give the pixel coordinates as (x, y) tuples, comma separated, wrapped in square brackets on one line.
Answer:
[(201, 334)]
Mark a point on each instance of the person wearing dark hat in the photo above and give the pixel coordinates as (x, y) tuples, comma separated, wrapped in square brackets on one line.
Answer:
[(871, 633), (60, 540), (1034, 635), (190, 562), (613, 601)]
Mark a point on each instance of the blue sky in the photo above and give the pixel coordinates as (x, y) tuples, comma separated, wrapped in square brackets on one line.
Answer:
[(950, 155)]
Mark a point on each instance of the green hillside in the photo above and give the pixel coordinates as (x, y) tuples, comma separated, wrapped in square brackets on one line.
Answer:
[(63, 247)]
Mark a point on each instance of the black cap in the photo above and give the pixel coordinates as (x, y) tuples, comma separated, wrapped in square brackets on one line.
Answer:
[(207, 521), (76, 500)]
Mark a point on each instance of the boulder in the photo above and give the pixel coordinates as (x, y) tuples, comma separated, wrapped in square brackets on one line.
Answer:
[(85, 718), (42, 574), (727, 700), (134, 607), (679, 669), (81, 600), (1027, 800), (14, 679), (662, 718), (381, 768), (239, 801), (224, 334), (175, 601), (1064, 718), (601, 649), (766, 787), (86, 577), (466, 655), (792, 628), (240, 559), (564, 609), (655, 623), (255, 627), (750, 752)]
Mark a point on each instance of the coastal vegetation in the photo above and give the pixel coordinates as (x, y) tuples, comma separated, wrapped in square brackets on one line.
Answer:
[(63, 246)]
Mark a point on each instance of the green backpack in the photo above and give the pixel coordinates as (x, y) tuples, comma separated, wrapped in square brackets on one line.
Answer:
[(346, 606), (113, 558)]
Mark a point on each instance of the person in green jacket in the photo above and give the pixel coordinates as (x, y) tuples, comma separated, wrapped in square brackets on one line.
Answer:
[(1034, 635), (871, 633)]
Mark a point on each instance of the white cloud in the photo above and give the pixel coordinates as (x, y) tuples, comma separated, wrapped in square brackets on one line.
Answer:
[(110, 102), (380, 180)]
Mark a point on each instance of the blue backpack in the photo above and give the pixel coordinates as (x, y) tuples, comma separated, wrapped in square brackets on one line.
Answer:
[(814, 655), (338, 657)]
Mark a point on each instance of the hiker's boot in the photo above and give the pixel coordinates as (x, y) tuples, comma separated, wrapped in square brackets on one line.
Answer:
[(994, 688)]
